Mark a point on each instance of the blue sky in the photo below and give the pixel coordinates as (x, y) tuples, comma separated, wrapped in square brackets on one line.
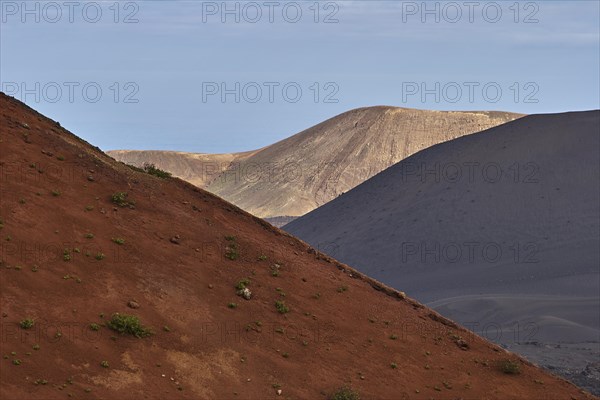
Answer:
[(173, 58)]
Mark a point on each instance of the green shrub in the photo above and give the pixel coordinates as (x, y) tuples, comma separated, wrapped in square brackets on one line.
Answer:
[(281, 307), (118, 240), (26, 323), (129, 324), (95, 327), (120, 199), (231, 251), (152, 170), (345, 393), (241, 285), (510, 367)]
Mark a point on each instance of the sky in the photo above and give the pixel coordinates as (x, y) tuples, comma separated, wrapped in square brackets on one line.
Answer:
[(218, 77)]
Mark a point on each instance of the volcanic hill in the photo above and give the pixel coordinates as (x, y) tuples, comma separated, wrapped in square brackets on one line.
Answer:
[(95, 254)]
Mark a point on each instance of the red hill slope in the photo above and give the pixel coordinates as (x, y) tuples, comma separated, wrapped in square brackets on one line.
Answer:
[(71, 258)]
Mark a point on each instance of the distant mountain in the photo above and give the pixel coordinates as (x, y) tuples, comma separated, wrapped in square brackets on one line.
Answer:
[(300, 173), (197, 168), (500, 227)]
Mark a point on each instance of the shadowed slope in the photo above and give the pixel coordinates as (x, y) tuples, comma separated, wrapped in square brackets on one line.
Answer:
[(512, 212)]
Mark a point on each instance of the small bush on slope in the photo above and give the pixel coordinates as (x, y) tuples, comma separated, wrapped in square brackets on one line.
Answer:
[(130, 324)]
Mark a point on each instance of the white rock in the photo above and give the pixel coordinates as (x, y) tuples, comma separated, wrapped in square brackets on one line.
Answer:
[(245, 293)]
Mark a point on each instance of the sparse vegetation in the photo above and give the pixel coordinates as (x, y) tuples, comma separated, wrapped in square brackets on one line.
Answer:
[(394, 365), (275, 269), (344, 393), (26, 323), (89, 235), (510, 367), (231, 250), (242, 284), (118, 240), (100, 256), (342, 289), (153, 170), (55, 193), (393, 336), (232, 305), (95, 327), (120, 199), (89, 208), (104, 364), (129, 324), (16, 361), (262, 258), (281, 307)]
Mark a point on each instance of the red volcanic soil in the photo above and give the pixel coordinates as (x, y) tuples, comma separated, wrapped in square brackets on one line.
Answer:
[(342, 329)]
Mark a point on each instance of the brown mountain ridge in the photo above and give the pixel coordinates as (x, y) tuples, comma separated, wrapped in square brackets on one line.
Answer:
[(78, 254), (296, 175)]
